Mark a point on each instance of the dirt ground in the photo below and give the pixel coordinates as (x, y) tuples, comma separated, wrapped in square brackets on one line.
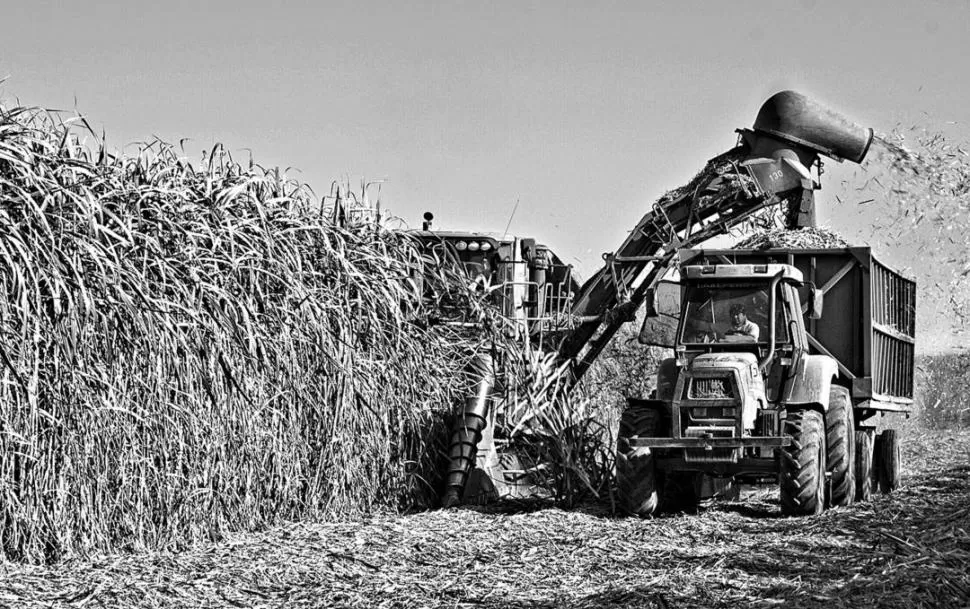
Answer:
[(910, 549)]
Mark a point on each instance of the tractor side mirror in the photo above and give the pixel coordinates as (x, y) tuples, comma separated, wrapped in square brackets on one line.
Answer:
[(815, 301), (662, 315)]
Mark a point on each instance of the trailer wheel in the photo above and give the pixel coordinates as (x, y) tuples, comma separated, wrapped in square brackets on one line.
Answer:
[(889, 476), (863, 464), (636, 473), (802, 475), (840, 447), (876, 461)]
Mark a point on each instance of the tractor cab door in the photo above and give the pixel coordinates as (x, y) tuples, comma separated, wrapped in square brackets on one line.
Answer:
[(659, 327)]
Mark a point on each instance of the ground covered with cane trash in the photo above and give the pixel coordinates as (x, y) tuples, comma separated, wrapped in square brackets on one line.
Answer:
[(908, 549)]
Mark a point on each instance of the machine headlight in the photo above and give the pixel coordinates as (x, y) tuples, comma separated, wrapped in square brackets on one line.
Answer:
[(486, 246), (461, 246), (473, 246)]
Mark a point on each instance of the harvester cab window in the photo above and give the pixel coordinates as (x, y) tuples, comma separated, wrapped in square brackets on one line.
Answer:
[(736, 314), (477, 258), (475, 263), (479, 272)]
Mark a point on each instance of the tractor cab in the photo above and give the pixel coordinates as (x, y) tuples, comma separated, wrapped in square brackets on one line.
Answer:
[(754, 308), (751, 308), (738, 333)]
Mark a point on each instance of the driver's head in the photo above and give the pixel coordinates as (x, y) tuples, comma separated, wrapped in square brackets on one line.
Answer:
[(738, 316)]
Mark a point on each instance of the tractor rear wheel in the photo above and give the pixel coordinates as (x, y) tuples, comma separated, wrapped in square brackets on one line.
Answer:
[(863, 464), (636, 473), (889, 475), (840, 447), (802, 475)]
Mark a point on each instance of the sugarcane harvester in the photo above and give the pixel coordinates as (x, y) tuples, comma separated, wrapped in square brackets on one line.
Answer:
[(531, 288), (765, 397)]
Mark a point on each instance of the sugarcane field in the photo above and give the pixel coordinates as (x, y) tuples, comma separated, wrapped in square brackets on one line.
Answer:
[(623, 320)]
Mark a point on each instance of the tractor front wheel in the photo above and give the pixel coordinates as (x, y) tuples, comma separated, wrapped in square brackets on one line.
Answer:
[(802, 475), (636, 472)]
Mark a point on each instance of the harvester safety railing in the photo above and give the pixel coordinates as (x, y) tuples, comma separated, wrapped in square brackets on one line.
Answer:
[(552, 301)]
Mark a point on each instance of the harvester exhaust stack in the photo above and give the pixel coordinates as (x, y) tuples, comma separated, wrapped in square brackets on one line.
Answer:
[(789, 134)]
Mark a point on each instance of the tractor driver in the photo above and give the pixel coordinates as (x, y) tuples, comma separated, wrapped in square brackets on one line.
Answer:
[(742, 330)]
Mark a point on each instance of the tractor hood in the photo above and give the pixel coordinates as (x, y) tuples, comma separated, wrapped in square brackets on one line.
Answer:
[(732, 359)]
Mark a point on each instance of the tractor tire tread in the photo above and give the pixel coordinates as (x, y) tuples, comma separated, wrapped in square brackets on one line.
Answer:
[(840, 447), (802, 470), (636, 475)]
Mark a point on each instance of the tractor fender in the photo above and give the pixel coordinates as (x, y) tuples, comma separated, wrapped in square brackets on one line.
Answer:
[(667, 379), (812, 381)]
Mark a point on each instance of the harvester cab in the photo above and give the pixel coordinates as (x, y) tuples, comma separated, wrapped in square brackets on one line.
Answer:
[(526, 280)]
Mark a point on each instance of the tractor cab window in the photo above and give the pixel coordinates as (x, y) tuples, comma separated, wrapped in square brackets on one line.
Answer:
[(719, 313)]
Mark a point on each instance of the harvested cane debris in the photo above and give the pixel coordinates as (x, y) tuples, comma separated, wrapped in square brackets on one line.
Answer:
[(909, 549), (798, 238)]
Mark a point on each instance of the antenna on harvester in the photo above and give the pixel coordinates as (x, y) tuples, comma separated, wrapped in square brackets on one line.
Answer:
[(507, 226)]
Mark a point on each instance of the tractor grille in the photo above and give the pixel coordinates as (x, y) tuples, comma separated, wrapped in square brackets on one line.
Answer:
[(719, 388)]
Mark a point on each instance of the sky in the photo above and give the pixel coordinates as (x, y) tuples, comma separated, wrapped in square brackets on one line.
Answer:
[(563, 120)]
